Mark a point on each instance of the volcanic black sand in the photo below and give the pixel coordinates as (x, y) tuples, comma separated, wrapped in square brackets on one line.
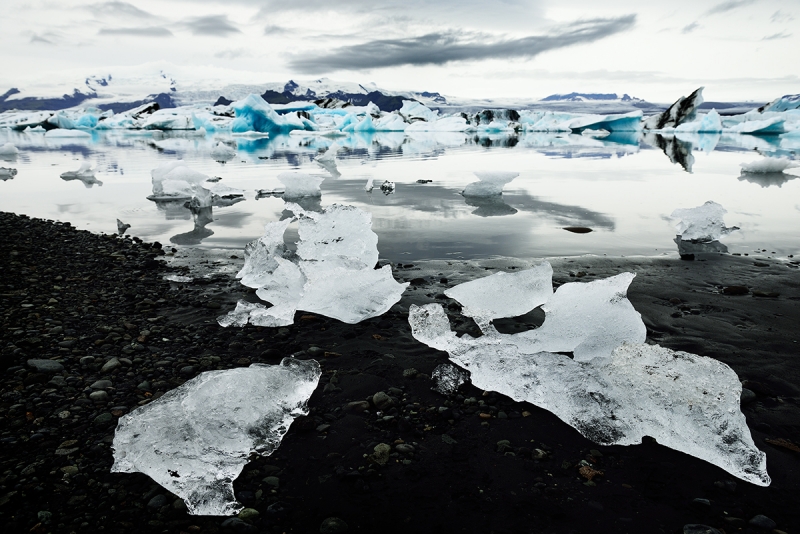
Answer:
[(97, 307)]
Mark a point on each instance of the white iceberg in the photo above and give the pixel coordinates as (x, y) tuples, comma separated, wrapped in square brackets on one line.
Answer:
[(196, 439), (711, 122), (222, 152), (768, 126), (413, 111), (454, 123), (8, 150), (488, 184), (60, 133), (769, 165), (683, 110), (703, 223), (332, 272)]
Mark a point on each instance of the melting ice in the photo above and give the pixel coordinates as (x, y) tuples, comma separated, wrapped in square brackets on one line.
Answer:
[(703, 223), (196, 439)]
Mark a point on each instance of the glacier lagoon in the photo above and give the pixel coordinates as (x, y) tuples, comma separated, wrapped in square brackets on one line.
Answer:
[(622, 187)]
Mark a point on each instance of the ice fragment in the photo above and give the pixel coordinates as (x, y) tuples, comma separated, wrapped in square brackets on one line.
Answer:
[(703, 223), (769, 165), (299, 185), (85, 174), (488, 184), (195, 440), (223, 152), (447, 378)]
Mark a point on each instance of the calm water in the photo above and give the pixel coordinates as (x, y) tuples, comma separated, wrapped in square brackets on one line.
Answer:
[(623, 188)]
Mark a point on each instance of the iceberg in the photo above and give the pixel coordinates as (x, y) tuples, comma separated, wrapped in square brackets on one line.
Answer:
[(623, 122), (769, 165), (769, 126), (122, 227), (299, 185), (7, 173), (617, 389), (332, 272), (85, 174), (59, 133), (195, 440), (703, 223), (488, 184), (8, 151), (413, 111), (683, 110), (784, 103), (222, 152), (254, 114), (709, 123)]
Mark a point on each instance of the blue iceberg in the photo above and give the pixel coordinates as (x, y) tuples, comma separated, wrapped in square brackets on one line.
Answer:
[(254, 114)]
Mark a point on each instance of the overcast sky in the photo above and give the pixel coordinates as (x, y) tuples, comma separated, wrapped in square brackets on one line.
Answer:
[(738, 49)]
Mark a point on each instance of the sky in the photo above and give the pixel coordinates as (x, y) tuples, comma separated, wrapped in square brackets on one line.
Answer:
[(738, 49)]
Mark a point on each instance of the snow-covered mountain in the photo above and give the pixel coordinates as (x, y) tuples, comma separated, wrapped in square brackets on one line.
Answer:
[(122, 88), (590, 97)]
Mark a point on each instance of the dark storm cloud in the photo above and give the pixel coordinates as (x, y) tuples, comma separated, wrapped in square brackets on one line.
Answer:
[(121, 9), (443, 47), (152, 31), (730, 5), (214, 25)]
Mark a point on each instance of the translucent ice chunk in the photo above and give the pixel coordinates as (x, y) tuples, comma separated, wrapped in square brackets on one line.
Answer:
[(488, 184), (8, 151), (768, 165), (447, 378), (504, 294), (122, 227), (387, 187), (331, 273), (196, 439), (85, 174), (299, 185), (703, 223)]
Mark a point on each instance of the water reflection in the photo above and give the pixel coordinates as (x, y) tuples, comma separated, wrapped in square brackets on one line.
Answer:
[(677, 150), (202, 217), (766, 179), (493, 206)]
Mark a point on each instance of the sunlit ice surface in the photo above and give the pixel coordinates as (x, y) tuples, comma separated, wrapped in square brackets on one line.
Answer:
[(623, 189)]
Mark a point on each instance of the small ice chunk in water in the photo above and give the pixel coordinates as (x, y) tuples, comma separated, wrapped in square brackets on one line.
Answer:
[(196, 439), (122, 227), (85, 174), (447, 378), (769, 165), (504, 294), (178, 278), (488, 184), (370, 185), (8, 150), (387, 187), (703, 223), (299, 185), (222, 152), (7, 173)]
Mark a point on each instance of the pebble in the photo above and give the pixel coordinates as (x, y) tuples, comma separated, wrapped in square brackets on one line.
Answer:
[(248, 514), (102, 384), (110, 365), (763, 522), (98, 396), (272, 481), (381, 400), (699, 529), (157, 502), (46, 366), (333, 525)]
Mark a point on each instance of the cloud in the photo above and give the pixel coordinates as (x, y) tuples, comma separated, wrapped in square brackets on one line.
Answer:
[(776, 36), (119, 9), (730, 5), (689, 28), (147, 31), (234, 53), (272, 29), (439, 48), (780, 16), (214, 25), (39, 39)]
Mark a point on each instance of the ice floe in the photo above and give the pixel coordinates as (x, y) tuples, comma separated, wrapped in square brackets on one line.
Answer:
[(769, 165), (299, 185), (223, 152), (703, 223), (332, 272), (488, 184), (616, 389), (85, 174), (196, 439)]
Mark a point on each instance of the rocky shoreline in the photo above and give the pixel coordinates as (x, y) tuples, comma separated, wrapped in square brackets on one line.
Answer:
[(91, 330)]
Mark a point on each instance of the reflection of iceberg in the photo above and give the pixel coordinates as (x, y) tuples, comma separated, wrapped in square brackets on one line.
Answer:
[(332, 272), (766, 179), (85, 174), (7, 173), (688, 248), (701, 224), (8, 152), (489, 206), (709, 123), (196, 439), (706, 142), (488, 184), (677, 150), (202, 216), (616, 390)]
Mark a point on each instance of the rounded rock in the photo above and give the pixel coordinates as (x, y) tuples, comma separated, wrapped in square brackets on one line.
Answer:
[(333, 525), (763, 522), (46, 366)]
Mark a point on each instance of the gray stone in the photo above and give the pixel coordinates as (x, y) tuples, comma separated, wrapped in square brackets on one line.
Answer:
[(699, 529), (110, 365), (357, 406), (272, 481), (57, 381), (87, 360), (405, 448), (314, 351), (381, 400), (99, 396), (763, 522), (747, 397), (44, 517), (333, 525), (103, 418), (410, 373), (46, 366), (102, 384), (157, 502), (248, 514)]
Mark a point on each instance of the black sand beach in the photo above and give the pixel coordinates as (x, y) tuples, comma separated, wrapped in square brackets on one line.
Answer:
[(118, 336)]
